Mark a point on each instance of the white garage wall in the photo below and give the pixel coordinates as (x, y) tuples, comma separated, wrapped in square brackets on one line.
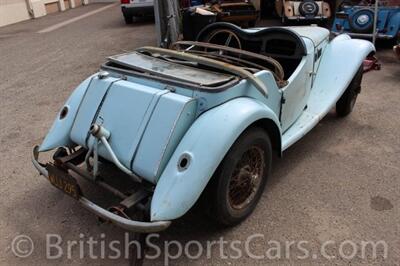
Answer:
[(12, 11)]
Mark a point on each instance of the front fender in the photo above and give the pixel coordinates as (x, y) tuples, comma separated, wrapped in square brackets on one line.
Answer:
[(340, 61), (205, 144), (59, 132)]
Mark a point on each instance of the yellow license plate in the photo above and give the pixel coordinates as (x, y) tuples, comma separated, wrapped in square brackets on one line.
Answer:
[(64, 182)]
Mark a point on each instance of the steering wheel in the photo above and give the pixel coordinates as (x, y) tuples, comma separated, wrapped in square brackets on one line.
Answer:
[(224, 37)]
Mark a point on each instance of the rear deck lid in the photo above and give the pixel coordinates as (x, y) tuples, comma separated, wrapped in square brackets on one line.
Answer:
[(145, 123), (316, 34)]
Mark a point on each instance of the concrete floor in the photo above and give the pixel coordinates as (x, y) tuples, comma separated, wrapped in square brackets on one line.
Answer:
[(341, 182)]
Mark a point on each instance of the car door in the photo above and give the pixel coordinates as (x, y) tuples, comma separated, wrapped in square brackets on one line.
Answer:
[(296, 93)]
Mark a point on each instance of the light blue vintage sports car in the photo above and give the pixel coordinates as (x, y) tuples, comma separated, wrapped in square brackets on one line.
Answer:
[(200, 119)]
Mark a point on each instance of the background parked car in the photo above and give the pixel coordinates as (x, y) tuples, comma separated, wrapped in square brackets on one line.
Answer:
[(302, 10), (241, 13), (359, 19), (131, 9)]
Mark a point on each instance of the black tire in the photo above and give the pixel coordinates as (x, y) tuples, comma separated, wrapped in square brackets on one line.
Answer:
[(225, 209), (345, 104), (128, 19)]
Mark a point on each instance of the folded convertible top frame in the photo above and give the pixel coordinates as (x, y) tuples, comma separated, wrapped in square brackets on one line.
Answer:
[(211, 63), (278, 69)]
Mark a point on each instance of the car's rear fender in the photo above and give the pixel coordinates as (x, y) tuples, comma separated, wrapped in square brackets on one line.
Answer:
[(203, 147), (59, 133)]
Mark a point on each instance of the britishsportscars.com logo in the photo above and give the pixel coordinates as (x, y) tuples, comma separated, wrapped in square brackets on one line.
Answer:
[(100, 247)]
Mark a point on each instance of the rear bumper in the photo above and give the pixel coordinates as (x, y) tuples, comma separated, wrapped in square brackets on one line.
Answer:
[(137, 10), (125, 223), (306, 18), (363, 35)]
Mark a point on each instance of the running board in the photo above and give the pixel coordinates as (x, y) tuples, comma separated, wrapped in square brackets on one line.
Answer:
[(302, 126), (321, 101)]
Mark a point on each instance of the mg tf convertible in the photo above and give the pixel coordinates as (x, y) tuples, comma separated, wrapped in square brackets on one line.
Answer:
[(199, 120)]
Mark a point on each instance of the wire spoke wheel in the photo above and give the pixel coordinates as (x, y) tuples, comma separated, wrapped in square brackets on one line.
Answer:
[(240, 179), (246, 178)]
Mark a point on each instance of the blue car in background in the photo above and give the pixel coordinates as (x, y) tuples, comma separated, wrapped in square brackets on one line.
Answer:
[(359, 19)]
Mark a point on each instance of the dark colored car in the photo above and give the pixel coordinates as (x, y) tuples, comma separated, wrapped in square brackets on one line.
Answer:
[(131, 9)]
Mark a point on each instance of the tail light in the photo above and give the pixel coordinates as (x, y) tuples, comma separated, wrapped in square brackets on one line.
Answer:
[(339, 27), (125, 1)]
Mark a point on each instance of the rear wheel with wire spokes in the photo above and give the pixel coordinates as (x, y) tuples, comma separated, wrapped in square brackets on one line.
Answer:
[(239, 181)]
